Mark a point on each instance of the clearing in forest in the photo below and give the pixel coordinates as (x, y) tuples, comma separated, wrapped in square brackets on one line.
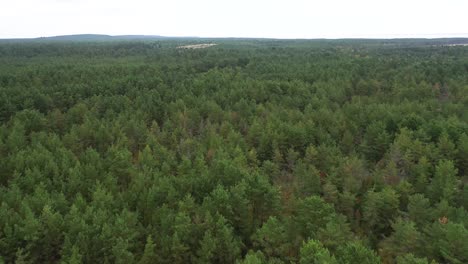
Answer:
[(197, 46)]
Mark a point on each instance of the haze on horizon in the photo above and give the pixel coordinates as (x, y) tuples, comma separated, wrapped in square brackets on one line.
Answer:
[(242, 18)]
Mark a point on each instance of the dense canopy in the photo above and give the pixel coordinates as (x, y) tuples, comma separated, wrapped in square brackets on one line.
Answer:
[(250, 151)]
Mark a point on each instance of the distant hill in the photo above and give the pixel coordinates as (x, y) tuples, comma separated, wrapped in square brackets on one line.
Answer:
[(80, 37), (102, 37), (93, 38), (98, 37)]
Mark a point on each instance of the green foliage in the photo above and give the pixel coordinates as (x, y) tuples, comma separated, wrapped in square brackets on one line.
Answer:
[(354, 252), (444, 185), (462, 154), (410, 259), (250, 151), (312, 214), (335, 233), (313, 252), (253, 258), (273, 239), (404, 239), (379, 208), (149, 254), (419, 210), (448, 242)]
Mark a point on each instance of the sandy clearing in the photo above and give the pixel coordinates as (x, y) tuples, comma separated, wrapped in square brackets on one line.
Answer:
[(197, 46), (461, 44)]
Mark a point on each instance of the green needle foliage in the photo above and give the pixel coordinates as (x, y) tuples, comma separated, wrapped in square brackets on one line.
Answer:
[(250, 151)]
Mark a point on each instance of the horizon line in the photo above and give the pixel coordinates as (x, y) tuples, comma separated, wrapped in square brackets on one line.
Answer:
[(374, 36)]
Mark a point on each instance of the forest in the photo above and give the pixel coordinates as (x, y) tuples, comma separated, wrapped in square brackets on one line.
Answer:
[(251, 151)]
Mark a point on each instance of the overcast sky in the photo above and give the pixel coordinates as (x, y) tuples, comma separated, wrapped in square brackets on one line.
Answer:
[(236, 18)]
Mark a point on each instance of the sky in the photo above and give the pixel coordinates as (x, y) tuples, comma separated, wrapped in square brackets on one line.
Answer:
[(236, 18)]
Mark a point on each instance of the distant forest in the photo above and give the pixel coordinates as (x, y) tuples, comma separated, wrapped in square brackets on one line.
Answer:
[(251, 151)]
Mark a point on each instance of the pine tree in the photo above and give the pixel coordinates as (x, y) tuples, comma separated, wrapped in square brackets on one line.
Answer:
[(446, 147), (313, 252), (272, 238), (149, 254), (121, 252), (462, 154), (421, 175), (404, 239), (379, 210), (419, 210), (335, 233), (253, 258), (312, 214), (354, 252), (410, 259), (444, 185)]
